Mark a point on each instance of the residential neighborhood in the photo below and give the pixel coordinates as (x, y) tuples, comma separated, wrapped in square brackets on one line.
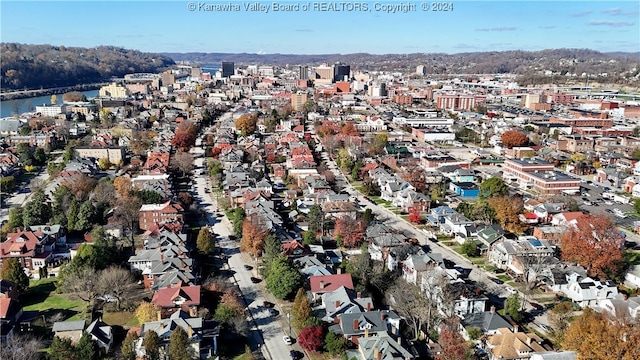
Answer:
[(322, 212)]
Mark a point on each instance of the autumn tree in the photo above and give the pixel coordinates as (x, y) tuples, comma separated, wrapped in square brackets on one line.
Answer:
[(301, 309), (146, 312), (379, 143), (349, 129), (204, 242), (507, 210), (416, 176), (310, 338), (511, 138), (414, 215), (182, 162), (13, 271), (104, 163), (595, 243), (122, 186), (253, 235), (454, 347), (350, 230), (600, 336), (493, 186), (185, 136), (246, 124)]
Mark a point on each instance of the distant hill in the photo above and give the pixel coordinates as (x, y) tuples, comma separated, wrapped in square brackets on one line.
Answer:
[(495, 62), (46, 66)]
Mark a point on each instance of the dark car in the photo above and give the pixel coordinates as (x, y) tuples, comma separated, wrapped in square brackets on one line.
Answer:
[(296, 355), (536, 306), (268, 304), (497, 281), (248, 267), (255, 280)]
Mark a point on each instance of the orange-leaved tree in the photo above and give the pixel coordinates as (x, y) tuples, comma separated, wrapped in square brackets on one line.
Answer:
[(511, 138), (350, 230), (253, 235), (595, 243), (507, 211)]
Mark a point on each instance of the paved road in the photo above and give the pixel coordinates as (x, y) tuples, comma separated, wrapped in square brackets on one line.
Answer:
[(266, 330)]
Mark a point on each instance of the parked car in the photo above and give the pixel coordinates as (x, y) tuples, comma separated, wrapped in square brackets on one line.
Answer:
[(497, 281), (268, 304), (248, 267), (255, 280), (287, 340), (511, 290)]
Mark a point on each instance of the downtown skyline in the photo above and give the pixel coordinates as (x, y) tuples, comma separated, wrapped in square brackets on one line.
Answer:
[(243, 27)]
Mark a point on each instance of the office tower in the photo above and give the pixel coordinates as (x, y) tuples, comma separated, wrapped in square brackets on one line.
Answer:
[(228, 68), (341, 72)]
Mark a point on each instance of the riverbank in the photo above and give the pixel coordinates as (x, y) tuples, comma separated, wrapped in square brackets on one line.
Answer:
[(25, 94)]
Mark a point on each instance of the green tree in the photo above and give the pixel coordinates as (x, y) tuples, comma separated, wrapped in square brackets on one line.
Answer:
[(39, 156), (282, 279), (86, 216), (301, 309), (512, 307), (494, 186), (470, 248), (15, 217), (315, 218), (237, 219), (13, 271), (204, 242), (474, 332), (7, 183), (86, 348), (309, 238), (37, 211), (61, 349), (151, 344), (148, 196), (344, 159), (368, 215), (129, 346), (636, 205), (179, 345), (334, 344)]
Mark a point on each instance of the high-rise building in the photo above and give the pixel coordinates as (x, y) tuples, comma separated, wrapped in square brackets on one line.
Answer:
[(324, 74), (168, 78), (297, 100), (341, 72), (196, 71), (228, 68), (421, 70), (303, 72)]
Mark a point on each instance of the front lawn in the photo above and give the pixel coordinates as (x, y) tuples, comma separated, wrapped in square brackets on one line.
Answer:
[(122, 318)]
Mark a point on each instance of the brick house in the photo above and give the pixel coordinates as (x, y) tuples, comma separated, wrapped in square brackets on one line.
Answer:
[(32, 249), (167, 212)]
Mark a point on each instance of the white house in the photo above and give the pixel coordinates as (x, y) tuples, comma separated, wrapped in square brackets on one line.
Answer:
[(589, 293), (632, 279)]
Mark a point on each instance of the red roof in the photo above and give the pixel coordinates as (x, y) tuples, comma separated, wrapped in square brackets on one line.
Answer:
[(165, 297), (530, 216), (329, 283)]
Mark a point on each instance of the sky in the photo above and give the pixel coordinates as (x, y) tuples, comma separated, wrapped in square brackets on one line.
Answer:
[(317, 27)]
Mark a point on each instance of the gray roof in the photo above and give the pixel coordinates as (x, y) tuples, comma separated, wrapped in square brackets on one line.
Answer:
[(556, 355), (487, 321), (388, 348), (68, 325)]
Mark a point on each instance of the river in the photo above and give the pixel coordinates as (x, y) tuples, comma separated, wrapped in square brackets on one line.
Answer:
[(19, 106)]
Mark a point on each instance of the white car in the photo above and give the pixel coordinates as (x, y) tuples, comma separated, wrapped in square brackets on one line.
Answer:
[(511, 290), (287, 340)]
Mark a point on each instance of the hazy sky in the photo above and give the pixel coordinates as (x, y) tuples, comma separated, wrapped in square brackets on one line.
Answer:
[(183, 26)]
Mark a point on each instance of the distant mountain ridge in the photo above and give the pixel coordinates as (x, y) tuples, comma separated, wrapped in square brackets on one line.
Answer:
[(46, 66), (492, 62)]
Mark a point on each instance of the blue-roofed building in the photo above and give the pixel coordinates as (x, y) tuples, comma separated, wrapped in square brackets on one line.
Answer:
[(438, 214), (465, 189)]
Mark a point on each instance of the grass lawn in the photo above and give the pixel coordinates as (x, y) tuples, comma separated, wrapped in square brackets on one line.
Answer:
[(504, 277), (41, 297), (122, 318)]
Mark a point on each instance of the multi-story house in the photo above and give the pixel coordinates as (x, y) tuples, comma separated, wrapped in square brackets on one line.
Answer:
[(32, 249), (168, 212)]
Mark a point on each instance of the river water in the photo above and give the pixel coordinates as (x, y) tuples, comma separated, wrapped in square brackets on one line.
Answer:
[(19, 106)]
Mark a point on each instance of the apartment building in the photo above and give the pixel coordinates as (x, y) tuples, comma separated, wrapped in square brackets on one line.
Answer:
[(539, 176)]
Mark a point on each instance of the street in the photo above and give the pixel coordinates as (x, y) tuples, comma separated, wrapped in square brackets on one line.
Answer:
[(266, 332)]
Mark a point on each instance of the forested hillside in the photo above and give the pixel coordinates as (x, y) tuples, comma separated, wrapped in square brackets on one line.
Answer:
[(45, 66)]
